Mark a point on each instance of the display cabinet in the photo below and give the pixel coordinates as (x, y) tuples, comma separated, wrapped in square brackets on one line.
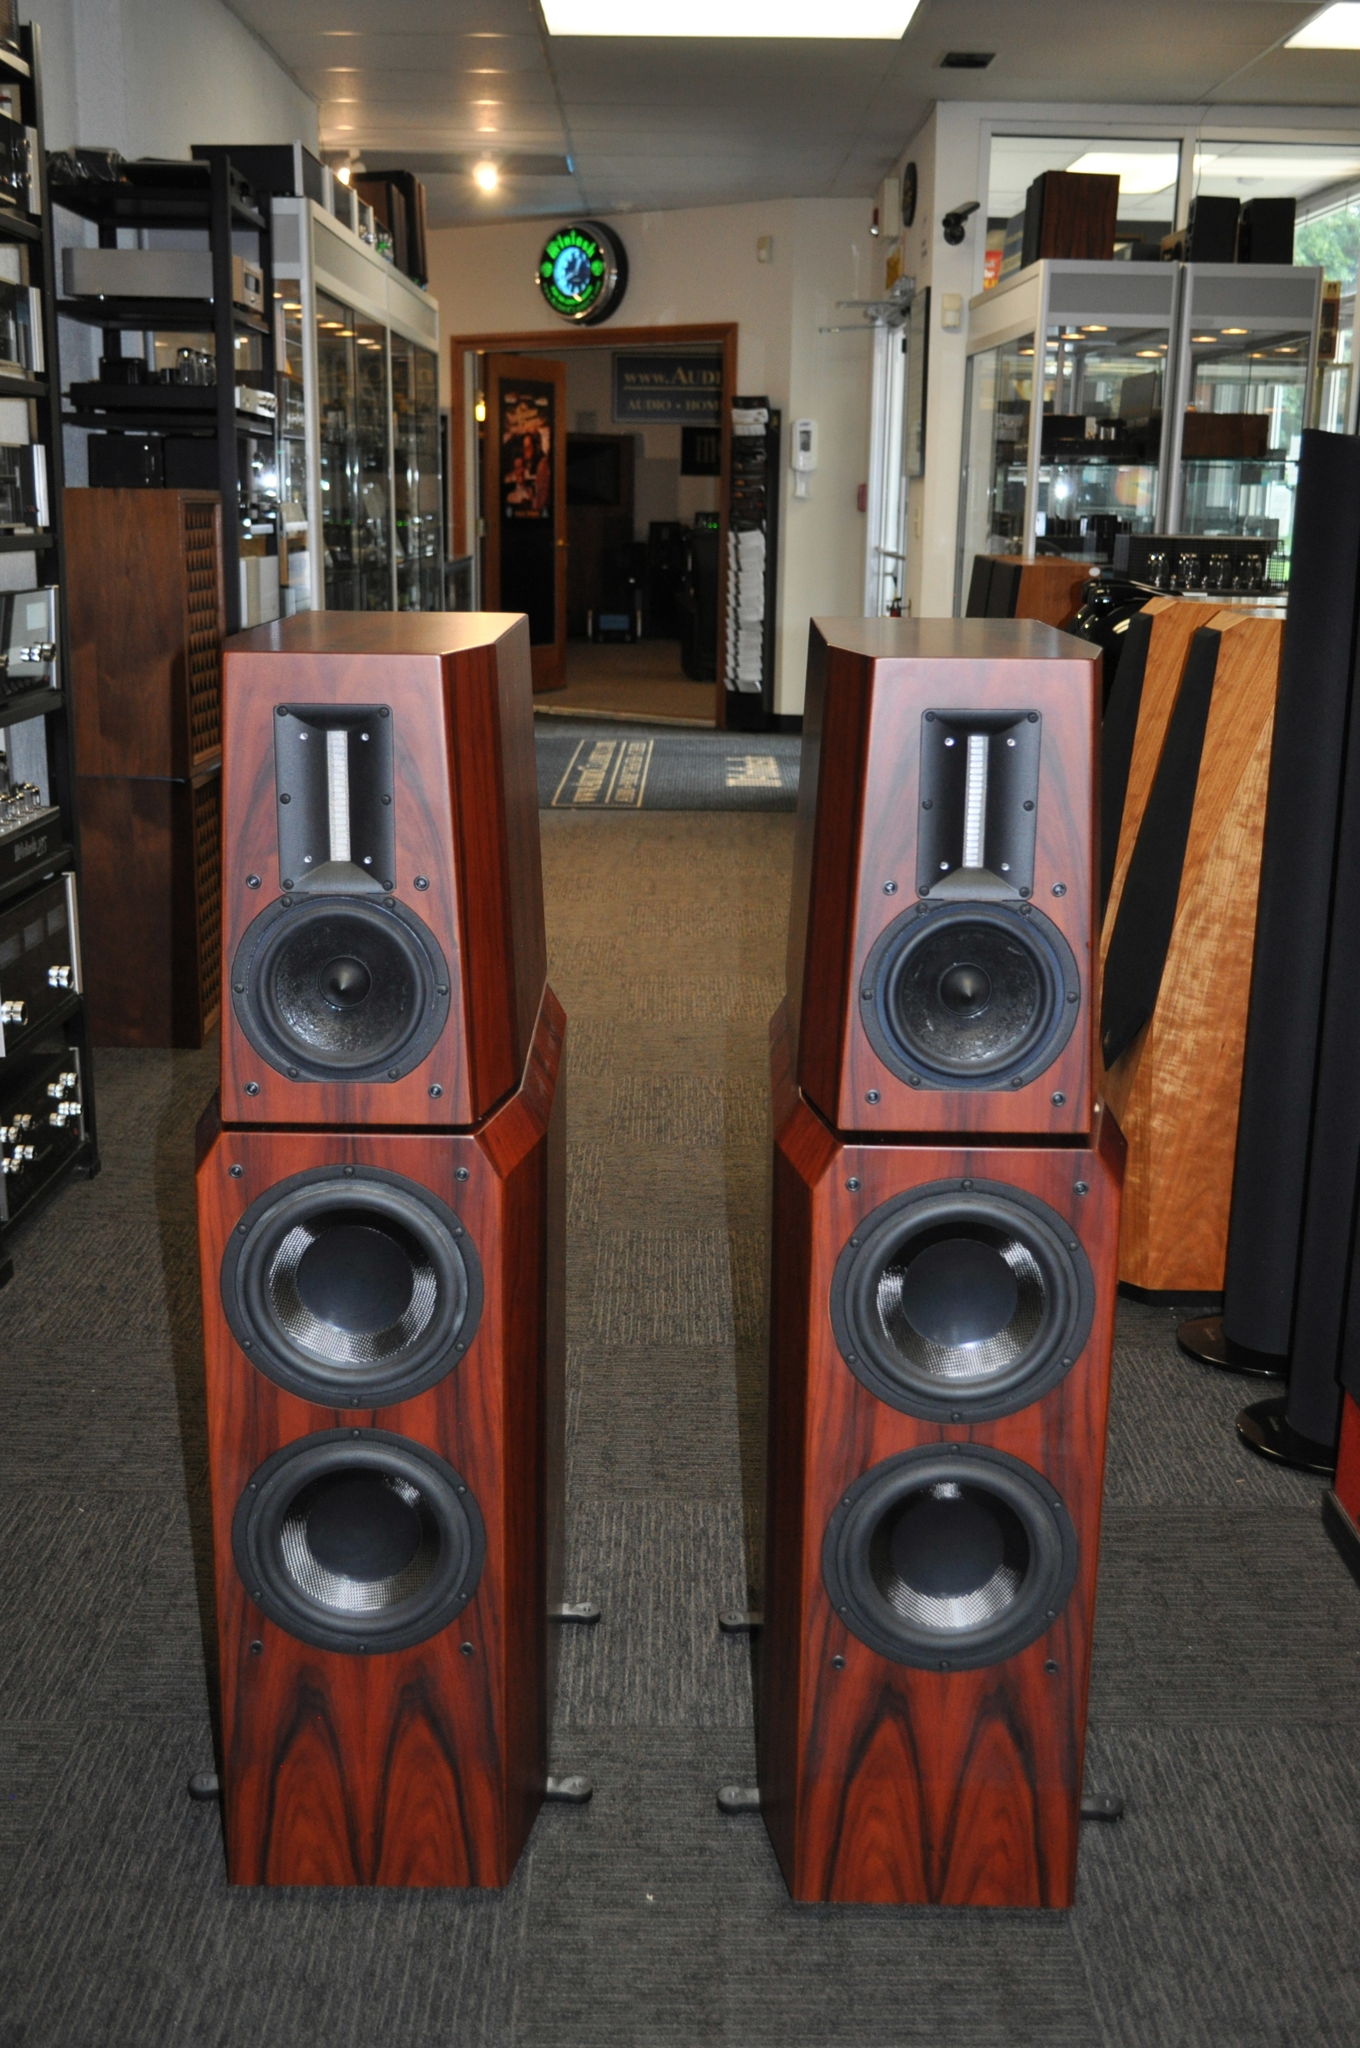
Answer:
[(185, 392), (1247, 358), (47, 1127), (1115, 398), (366, 460), (1067, 428)]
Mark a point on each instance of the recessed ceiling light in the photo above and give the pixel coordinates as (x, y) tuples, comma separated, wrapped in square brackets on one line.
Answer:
[(1336, 28), (1137, 175), (486, 176), (882, 20)]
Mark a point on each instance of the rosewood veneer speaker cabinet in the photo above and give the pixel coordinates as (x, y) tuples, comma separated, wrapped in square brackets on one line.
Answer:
[(946, 1198), (380, 1222)]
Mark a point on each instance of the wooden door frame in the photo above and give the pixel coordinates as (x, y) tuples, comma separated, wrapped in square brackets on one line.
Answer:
[(544, 341)]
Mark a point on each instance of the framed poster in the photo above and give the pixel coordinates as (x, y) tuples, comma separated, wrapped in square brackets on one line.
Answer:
[(527, 453), (917, 334)]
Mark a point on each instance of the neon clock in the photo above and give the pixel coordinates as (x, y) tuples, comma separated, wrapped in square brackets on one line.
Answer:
[(583, 272)]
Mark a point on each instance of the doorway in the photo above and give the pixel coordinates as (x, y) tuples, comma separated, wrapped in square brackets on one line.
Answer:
[(642, 536)]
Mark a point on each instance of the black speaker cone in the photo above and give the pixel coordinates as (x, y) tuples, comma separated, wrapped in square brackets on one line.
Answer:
[(962, 1299), (951, 1556), (340, 988), (970, 995), (352, 1287), (358, 1540)]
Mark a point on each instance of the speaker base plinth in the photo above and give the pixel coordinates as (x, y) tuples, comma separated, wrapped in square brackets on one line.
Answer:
[(1264, 1428), (1343, 1533), (1204, 1339)]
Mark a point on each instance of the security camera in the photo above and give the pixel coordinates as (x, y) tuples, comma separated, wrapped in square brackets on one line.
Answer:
[(954, 220)]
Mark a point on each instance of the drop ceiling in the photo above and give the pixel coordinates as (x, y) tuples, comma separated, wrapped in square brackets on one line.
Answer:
[(628, 125)]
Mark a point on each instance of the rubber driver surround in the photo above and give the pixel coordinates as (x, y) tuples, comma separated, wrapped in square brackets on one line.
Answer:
[(1047, 954), (1025, 1235), (984, 1481), (407, 942), (257, 1287), (447, 1510)]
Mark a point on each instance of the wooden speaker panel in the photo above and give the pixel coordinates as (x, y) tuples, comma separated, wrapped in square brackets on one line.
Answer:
[(466, 900), (1177, 1090), (879, 693), (882, 1781), (421, 1763)]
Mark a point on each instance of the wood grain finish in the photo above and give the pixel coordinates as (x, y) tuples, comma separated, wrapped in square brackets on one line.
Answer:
[(882, 1783), (855, 856), (147, 614), (1177, 1090), (150, 901), (422, 1766), (1051, 587), (466, 820)]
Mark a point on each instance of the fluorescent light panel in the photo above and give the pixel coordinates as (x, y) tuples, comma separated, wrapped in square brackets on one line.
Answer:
[(878, 20), (1136, 174), (1336, 28)]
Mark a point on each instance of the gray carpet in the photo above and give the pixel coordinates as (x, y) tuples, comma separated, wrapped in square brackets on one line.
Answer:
[(598, 765), (1226, 1695)]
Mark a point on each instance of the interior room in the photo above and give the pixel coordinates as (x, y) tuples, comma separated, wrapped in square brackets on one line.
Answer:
[(679, 1140)]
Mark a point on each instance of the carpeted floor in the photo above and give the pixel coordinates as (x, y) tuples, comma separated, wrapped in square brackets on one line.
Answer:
[(590, 764), (1226, 1704)]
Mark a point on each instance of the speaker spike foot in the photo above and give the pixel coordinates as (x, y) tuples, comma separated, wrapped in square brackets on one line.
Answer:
[(572, 1790), (1103, 1806), (739, 1799), (1265, 1428), (741, 1621), (204, 1785), (583, 1611), (1204, 1339)]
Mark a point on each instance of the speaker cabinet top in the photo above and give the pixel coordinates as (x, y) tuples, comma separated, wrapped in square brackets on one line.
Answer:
[(383, 944), (381, 633), (941, 929)]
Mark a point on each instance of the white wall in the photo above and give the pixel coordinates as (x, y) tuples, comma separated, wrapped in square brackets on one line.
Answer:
[(701, 264), (152, 77)]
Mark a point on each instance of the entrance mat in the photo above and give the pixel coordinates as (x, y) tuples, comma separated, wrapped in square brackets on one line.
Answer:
[(603, 767)]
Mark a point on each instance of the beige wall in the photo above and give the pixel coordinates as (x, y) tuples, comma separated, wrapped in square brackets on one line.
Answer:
[(701, 264)]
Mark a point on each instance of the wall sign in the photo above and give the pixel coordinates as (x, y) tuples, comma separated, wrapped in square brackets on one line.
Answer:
[(662, 389), (583, 272)]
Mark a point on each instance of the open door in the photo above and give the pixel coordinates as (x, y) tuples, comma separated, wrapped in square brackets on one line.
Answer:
[(524, 503)]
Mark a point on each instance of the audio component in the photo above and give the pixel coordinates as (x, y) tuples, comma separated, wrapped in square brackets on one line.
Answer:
[(940, 1341), (42, 1124), (28, 642), (39, 961), (383, 910), (945, 1219), (939, 965), (383, 1334)]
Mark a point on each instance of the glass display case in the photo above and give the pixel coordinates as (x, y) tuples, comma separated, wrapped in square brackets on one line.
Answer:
[(415, 476), (1115, 398), (1067, 426), (366, 459), (1247, 360)]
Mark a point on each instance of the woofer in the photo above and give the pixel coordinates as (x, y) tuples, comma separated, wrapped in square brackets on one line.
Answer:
[(351, 1286), (340, 988), (962, 1300), (358, 1540), (969, 995), (949, 1557)]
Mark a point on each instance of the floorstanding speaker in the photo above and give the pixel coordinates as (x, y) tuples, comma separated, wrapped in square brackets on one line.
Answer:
[(383, 952), (383, 1331), (1177, 959), (1293, 1178), (941, 1318), (939, 964)]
